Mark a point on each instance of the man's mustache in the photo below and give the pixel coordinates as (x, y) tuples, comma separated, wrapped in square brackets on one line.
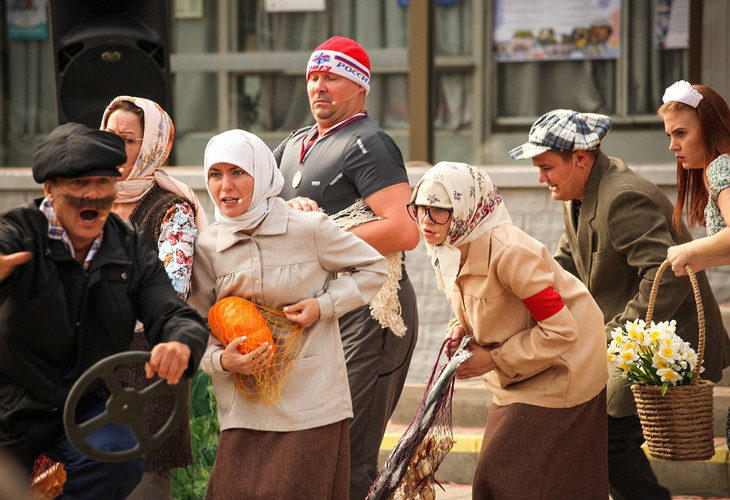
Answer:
[(94, 204)]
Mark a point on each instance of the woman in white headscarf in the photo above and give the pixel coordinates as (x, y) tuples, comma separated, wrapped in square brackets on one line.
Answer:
[(303, 264), (539, 341), (169, 213)]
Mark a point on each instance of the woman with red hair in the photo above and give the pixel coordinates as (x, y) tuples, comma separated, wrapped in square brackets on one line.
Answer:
[(697, 121)]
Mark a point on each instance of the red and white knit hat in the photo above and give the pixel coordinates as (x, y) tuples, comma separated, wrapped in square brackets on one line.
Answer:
[(342, 56)]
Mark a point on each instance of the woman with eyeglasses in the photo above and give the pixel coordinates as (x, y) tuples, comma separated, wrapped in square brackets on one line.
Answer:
[(539, 341), (169, 213)]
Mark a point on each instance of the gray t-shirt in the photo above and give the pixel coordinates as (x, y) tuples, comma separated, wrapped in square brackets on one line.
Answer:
[(353, 162)]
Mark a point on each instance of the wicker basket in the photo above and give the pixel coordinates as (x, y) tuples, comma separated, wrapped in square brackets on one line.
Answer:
[(679, 425)]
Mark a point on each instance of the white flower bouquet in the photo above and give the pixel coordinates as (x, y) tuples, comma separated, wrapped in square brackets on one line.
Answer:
[(673, 403), (652, 354)]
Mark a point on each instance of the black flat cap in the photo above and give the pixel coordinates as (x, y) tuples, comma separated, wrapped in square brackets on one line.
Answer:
[(75, 150)]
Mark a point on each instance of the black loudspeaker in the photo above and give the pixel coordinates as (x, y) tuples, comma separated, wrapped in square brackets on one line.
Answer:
[(106, 48)]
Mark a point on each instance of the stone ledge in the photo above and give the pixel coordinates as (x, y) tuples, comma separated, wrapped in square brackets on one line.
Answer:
[(504, 176)]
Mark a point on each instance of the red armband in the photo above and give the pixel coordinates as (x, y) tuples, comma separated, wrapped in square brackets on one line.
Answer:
[(544, 304)]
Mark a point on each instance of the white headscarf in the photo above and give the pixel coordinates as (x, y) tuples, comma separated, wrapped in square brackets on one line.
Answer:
[(249, 152), (157, 139), (477, 207)]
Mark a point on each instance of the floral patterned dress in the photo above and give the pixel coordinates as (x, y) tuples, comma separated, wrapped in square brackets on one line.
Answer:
[(177, 237), (718, 178)]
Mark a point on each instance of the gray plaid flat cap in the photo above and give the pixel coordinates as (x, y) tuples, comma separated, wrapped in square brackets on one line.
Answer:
[(563, 130)]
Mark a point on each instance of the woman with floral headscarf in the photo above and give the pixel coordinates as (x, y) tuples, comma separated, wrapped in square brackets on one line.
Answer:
[(167, 209), (539, 341), (304, 264), (169, 213)]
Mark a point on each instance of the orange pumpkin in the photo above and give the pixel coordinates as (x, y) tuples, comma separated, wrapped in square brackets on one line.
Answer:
[(234, 317)]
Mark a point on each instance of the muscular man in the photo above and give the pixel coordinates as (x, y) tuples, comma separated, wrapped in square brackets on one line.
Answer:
[(345, 157)]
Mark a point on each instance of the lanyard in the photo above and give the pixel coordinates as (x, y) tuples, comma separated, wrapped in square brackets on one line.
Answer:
[(308, 144)]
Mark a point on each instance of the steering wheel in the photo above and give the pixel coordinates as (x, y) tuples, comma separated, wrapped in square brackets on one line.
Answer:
[(124, 407)]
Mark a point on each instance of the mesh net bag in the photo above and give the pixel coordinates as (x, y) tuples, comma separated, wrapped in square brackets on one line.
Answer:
[(385, 306), (234, 317), (47, 478), (409, 471)]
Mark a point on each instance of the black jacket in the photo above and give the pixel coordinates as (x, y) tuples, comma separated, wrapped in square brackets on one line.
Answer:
[(57, 319)]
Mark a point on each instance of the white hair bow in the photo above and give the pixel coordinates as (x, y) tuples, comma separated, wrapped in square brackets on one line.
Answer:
[(683, 92)]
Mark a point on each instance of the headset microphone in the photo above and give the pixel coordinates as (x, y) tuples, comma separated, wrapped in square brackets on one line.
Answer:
[(240, 201), (343, 100), (558, 186)]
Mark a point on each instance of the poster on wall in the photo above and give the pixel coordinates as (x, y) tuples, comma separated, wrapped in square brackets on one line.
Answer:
[(671, 24), (550, 30), (27, 19), (188, 9), (294, 5)]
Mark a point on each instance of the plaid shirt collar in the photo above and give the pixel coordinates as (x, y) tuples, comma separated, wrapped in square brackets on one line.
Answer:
[(57, 232)]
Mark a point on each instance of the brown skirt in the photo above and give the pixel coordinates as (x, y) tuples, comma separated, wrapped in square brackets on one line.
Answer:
[(312, 463), (544, 453)]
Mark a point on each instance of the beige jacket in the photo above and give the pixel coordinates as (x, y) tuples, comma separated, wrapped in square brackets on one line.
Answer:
[(291, 256), (559, 362)]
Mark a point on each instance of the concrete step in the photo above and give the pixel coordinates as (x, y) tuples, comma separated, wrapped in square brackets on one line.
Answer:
[(471, 402)]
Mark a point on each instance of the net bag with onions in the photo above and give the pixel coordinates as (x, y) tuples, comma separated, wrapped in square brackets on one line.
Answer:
[(47, 479), (234, 317), (409, 471)]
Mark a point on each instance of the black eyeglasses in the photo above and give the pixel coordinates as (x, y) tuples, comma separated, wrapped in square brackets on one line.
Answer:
[(437, 215)]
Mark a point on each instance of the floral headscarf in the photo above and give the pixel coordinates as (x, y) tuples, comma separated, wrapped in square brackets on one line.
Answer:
[(159, 134), (477, 207), (249, 152)]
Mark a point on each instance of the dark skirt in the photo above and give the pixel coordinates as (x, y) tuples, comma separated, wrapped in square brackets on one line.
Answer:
[(176, 450), (544, 453), (312, 463)]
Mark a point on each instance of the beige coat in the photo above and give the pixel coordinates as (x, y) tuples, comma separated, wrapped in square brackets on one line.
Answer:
[(291, 256), (559, 362)]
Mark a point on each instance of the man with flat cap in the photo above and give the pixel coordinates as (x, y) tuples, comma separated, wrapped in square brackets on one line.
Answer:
[(73, 280), (617, 228)]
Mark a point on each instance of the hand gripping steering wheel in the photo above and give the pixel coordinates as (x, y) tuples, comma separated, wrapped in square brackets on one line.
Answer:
[(124, 407)]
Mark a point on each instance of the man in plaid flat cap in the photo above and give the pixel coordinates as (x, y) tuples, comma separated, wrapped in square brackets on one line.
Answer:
[(617, 228)]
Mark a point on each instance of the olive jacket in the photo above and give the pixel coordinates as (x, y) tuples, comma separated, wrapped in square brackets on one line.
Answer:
[(621, 239)]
